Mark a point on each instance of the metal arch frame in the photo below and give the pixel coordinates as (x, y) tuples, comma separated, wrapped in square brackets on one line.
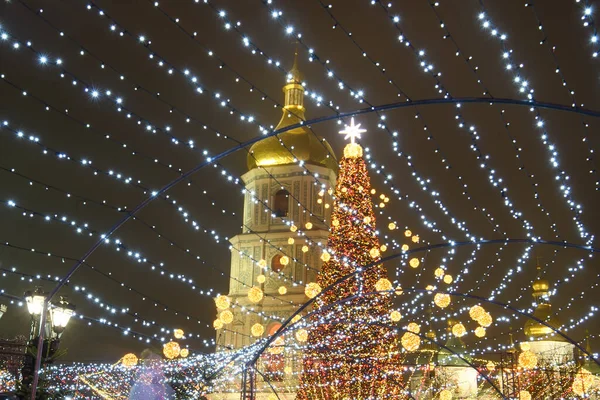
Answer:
[(167, 187)]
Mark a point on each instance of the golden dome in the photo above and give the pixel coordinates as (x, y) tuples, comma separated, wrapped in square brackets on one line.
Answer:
[(541, 285), (298, 144), (536, 329)]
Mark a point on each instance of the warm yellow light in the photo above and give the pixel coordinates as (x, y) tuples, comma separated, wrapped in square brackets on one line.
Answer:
[(442, 300), (255, 294), (386, 199), (395, 316), (399, 291), (410, 341), (291, 241), (222, 302), (277, 346), (308, 225), (129, 360), (184, 353), (439, 272), (459, 330), (217, 324), (391, 226), (414, 262), (373, 191), (330, 191), (381, 205), (429, 287), (367, 220), (413, 327), (293, 228), (485, 320), (282, 290), (326, 205), (476, 312), (226, 317), (261, 278), (525, 346), (302, 335), (353, 150), (325, 256), (312, 290), (287, 370), (524, 395), (284, 260), (528, 359), (383, 247), (344, 189), (383, 285), (480, 331), (257, 330), (405, 247), (178, 333), (335, 222), (408, 233), (171, 350), (445, 394), (415, 239), (448, 279), (583, 382), (304, 248), (321, 193), (374, 252)]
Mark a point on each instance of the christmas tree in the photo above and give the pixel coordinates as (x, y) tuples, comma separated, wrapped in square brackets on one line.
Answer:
[(351, 352)]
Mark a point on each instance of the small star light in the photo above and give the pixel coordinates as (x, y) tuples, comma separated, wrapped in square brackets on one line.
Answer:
[(353, 149)]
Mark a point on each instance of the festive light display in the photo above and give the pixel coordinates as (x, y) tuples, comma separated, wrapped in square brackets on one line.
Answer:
[(171, 350), (129, 360)]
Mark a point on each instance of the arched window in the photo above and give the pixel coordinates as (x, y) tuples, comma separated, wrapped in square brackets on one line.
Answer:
[(276, 264), (274, 357), (281, 203)]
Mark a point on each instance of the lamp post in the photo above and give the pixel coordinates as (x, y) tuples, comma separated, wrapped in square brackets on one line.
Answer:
[(48, 322), (3, 309)]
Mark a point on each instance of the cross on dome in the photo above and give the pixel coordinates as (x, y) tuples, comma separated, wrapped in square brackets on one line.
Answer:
[(352, 131)]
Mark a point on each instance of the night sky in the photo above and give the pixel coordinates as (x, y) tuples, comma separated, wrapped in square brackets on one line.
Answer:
[(189, 35)]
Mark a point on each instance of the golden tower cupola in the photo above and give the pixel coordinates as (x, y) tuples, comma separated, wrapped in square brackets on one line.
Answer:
[(297, 144), (543, 312)]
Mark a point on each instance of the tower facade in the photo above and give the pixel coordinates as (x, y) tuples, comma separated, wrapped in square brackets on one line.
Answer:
[(286, 217)]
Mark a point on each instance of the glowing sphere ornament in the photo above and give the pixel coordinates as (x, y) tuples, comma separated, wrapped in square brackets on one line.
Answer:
[(184, 353), (129, 360), (442, 300), (304, 248), (448, 279), (374, 252), (282, 290), (383, 285), (171, 350), (404, 247), (284, 260), (255, 294), (261, 278), (480, 331), (296, 318), (414, 262), (293, 228), (445, 394), (407, 233), (262, 263), (226, 317), (395, 316), (217, 324), (325, 256), (439, 272), (476, 312), (302, 335), (416, 239), (312, 290), (222, 302), (291, 241), (524, 395), (459, 330), (178, 333), (257, 330), (367, 220), (410, 341), (335, 222), (308, 225), (413, 327), (528, 359), (583, 382), (485, 320), (391, 226)]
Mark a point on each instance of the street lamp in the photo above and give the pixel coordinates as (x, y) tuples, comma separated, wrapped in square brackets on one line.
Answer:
[(3, 309), (60, 315), (35, 301)]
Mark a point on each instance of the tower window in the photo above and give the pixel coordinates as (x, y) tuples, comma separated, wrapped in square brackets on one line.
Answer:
[(276, 264), (281, 203)]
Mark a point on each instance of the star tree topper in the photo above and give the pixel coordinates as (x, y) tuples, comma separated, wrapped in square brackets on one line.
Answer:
[(352, 149)]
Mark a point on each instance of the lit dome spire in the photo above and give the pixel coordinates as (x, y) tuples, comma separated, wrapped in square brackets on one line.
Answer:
[(543, 311)]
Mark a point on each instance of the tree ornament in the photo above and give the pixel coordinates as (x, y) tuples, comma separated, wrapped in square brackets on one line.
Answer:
[(291, 241), (335, 222), (583, 382), (257, 330), (312, 290), (410, 341), (304, 248), (178, 333), (171, 350), (408, 233), (367, 220), (442, 300), (226, 317), (325, 256), (528, 359), (395, 316), (255, 294), (222, 302), (414, 262), (485, 320), (129, 360), (383, 285), (476, 312), (302, 335), (374, 252)]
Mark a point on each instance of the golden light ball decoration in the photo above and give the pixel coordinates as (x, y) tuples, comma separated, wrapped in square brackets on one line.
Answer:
[(414, 262), (404, 247), (226, 317), (429, 288), (178, 333), (262, 263), (583, 382), (392, 226), (367, 220), (255, 294), (373, 191), (524, 395), (291, 240), (407, 233), (282, 290), (528, 359), (319, 201), (184, 353), (416, 239), (439, 272), (304, 248), (326, 205), (308, 225), (413, 327), (171, 350), (335, 222), (284, 260), (525, 346), (129, 360), (445, 394), (459, 330), (296, 318), (381, 205), (312, 290), (395, 316), (491, 366), (480, 331), (374, 252), (448, 279), (485, 320), (442, 300), (261, 278), (410, 341), (383, 285), (383, 248), (302, 335), (217, 324), (476, 312), (257, 330), (293, 228), (325, 256), (222, 302)]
